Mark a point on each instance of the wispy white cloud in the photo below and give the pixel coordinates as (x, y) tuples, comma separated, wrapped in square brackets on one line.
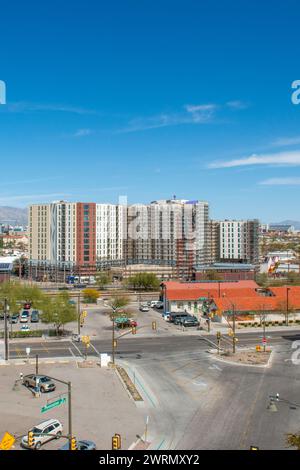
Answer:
[(286, 141), (271, 159), (27, 198), (82, 132), (288, 181), (26, 107), (237, 104), (191, 114)]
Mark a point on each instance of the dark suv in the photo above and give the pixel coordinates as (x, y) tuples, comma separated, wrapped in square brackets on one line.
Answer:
[(34, 316)]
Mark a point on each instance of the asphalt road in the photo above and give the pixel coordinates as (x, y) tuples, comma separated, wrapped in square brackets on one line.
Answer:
[(132, 344), (192, 399), (196, 401)]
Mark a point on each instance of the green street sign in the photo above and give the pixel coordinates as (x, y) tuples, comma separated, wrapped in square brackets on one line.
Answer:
[(54, 404)]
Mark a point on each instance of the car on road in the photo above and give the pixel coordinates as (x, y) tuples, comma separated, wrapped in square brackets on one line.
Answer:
[(25, 328), (144, 308), (81, 445), (24, 317), (35, 316), (45, 383), (51, 426), (14, 318)]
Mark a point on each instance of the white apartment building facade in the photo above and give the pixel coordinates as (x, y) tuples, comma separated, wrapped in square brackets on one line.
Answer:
[(110, 231), (239, 241)]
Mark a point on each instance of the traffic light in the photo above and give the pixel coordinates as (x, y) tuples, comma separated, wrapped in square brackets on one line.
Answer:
[(30, 439), (73, 443), (116, 442), (218, 335), (154, 325)]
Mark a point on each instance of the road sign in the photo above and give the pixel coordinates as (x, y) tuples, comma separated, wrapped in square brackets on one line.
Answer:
[(54, 404), (7, 441)]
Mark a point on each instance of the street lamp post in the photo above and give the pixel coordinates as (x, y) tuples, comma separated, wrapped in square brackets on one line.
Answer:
[(69, 385)]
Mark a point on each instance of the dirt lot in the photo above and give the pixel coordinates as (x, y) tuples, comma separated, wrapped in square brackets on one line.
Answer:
[(100, 404)]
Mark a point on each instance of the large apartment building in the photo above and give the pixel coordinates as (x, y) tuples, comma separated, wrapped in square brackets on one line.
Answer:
[(170, 232), (239, 241), (174, 233)]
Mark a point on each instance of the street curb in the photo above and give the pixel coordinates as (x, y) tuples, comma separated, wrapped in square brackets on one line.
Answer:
[(125, 385), (232, 363), (24, 362)]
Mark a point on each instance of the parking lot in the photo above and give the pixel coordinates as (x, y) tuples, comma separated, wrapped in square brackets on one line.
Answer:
[(98, 324), (100, 405)]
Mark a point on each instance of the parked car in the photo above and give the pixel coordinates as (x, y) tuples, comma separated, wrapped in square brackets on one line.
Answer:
[(159, 304), (125, 322), (144, 308), (175, 315), (51, 426), (24, 317), (190, 321), (45, 383), (27, 306), (180, 318), (81, 445), (14, 318), (35, 317), (25, 328), (153, 303)]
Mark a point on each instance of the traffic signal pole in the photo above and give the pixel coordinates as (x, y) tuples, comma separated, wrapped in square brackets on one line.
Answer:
[(70, 414)]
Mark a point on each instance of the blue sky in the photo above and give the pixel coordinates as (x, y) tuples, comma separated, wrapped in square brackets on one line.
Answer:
[(149, 99)]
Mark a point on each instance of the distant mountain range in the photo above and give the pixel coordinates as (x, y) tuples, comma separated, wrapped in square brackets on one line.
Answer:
[(13, 215), (295, 223)]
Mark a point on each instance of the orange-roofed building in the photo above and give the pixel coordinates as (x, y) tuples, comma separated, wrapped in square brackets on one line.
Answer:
[(246, 297)]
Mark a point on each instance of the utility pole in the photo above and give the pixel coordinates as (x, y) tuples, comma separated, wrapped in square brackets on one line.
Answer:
[(36, 364), (78, 312), (6, 330), (113, 338), (287, 307), (233, 328)]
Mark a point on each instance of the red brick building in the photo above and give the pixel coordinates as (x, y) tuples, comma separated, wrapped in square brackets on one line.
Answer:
[(86, 234)]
